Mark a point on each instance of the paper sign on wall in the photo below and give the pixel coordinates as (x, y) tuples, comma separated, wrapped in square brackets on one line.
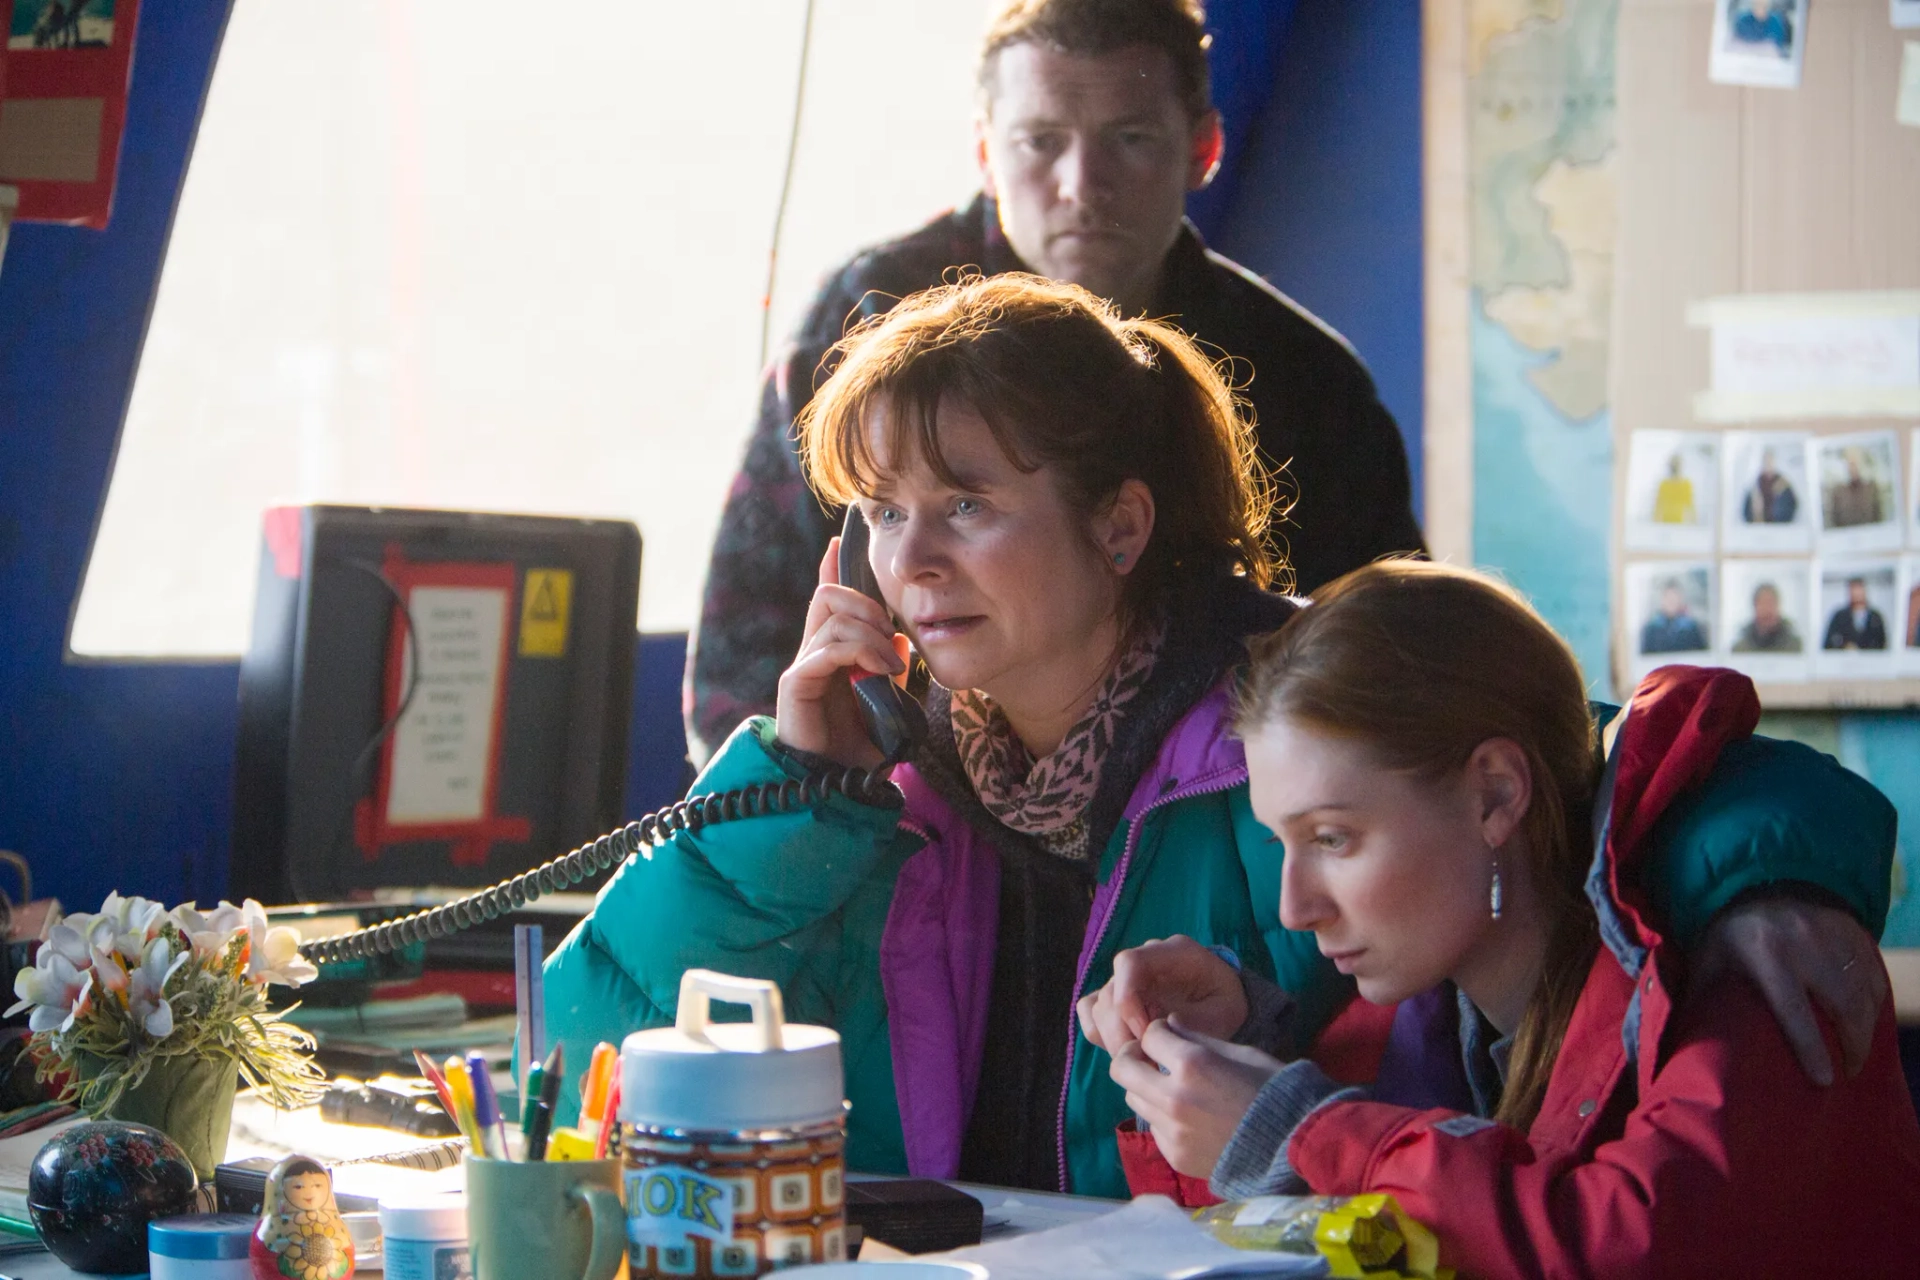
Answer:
[(64, 71), (1906, 107), (1811, 356), (443, 745)]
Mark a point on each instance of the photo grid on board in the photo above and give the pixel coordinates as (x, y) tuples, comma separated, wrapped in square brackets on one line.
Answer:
[(1790, 555)]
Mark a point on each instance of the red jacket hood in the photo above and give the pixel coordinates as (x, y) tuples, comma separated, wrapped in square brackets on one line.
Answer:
[(1676, 725)]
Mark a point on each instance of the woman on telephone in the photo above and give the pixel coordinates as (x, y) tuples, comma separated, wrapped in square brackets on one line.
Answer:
[(1419, 743), (1067, 525)]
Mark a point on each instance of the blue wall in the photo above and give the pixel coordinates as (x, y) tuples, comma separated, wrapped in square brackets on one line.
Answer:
[(1327, 201), (110, 775)]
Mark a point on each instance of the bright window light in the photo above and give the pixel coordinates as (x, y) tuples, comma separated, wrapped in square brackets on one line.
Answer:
[(498, 256)]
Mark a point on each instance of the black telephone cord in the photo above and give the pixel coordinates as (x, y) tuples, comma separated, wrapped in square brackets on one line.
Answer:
[(791, 795)]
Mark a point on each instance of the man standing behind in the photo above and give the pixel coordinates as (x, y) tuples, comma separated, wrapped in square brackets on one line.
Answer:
[(1095, 122)]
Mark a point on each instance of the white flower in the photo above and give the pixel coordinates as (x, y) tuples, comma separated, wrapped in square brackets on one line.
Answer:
[(126, 925), (67, 939), (147, 985), (276, 957), (57, 990), (209, 933)]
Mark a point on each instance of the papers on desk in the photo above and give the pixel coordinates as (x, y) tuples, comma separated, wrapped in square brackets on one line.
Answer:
[(1150, 1239), (16, 1159), (259, 1130)]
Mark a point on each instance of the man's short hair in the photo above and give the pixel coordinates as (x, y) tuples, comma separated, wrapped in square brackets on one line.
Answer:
[(1177, 27), (1765, 586), (1856, 582)]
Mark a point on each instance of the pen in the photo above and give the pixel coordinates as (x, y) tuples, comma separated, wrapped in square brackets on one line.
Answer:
[(593, 1089), (549, 1097), (605, 1138), (535, 1075), (461, 1089), (486, 1107)]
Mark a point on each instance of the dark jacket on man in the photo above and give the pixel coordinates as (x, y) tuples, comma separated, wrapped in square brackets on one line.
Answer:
[(1844, 633), (1315, 410)]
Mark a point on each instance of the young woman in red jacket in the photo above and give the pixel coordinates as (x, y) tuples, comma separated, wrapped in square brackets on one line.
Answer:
[(1419, 741)]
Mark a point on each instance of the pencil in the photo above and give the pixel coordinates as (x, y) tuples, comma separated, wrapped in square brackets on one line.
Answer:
[(436, 1079)]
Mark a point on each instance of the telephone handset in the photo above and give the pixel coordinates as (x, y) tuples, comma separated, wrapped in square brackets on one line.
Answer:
[(894, 722)]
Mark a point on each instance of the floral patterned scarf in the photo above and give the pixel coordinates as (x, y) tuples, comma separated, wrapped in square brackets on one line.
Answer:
[(1048, 798)]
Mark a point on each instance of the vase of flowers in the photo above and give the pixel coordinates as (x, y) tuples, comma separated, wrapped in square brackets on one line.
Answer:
[(155, 1016)]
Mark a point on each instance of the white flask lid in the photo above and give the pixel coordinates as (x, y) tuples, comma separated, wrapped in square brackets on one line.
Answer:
[(727, 1077)]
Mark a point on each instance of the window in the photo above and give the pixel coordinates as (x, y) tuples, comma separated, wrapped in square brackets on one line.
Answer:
[(471, 254)]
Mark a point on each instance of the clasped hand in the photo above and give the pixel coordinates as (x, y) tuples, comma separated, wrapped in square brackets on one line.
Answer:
[(1165, 1017)]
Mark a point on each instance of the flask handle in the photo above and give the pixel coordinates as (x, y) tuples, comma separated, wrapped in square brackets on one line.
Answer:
[(700, 987)]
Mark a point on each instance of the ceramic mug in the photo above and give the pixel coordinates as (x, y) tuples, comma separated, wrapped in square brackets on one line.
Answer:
[(545, 1218)]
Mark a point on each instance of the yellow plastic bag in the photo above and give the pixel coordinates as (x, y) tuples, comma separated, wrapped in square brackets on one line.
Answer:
[(1359, 1236)]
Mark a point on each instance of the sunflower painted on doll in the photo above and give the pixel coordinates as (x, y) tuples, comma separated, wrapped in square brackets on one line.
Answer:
[(301, 1235)]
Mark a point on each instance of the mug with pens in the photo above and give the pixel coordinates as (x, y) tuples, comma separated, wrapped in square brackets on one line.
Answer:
[(731, 1153), (536, 1215)]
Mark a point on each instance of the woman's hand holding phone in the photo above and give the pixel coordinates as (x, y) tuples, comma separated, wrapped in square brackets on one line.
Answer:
[(845, 630), (1165, 977)]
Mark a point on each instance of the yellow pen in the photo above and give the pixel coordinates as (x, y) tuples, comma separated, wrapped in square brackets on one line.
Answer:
[(460, 1085)]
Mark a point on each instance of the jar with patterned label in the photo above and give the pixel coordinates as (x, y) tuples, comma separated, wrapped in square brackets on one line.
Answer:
[(733, 1138)]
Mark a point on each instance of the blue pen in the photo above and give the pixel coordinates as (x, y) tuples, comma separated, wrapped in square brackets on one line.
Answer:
[(486, 1108)]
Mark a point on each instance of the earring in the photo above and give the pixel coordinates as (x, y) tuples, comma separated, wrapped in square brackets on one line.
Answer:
[(1119, 557), (1493, 894)]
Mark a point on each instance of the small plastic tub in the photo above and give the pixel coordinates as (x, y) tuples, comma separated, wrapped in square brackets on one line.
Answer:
[(424, 1237), (201, 1246)]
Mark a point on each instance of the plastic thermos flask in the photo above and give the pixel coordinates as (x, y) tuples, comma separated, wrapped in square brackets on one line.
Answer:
[(732, 1137)]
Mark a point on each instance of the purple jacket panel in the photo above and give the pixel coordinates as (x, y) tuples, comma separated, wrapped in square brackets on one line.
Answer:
[(1199, 750), (1421, 1066), (936, 967), (937, 951)]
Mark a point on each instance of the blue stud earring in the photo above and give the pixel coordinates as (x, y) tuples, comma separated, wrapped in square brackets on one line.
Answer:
[(1119, 557)]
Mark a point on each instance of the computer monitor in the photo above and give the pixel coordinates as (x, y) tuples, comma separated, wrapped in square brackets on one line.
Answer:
[(429, 698)]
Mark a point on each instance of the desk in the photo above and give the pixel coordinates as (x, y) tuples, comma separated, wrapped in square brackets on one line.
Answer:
[(1009, 1212)]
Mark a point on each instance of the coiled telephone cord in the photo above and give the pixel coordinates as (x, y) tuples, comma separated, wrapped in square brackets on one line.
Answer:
[(791, 795)]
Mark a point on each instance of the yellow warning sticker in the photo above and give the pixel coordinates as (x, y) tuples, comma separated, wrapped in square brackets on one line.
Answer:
[(545, 605)]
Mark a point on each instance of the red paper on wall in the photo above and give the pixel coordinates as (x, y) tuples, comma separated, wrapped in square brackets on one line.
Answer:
[(64, 72)]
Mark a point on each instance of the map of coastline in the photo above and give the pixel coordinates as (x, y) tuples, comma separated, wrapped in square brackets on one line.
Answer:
[(1543, 220)]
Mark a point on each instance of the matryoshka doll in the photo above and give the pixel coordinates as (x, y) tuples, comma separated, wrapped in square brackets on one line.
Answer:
[(301, 1234)]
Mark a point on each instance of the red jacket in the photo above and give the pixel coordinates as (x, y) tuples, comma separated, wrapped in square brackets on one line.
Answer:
[(1706, 1150)]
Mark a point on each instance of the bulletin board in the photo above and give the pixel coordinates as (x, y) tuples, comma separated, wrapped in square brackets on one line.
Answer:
[(1765, 378)]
